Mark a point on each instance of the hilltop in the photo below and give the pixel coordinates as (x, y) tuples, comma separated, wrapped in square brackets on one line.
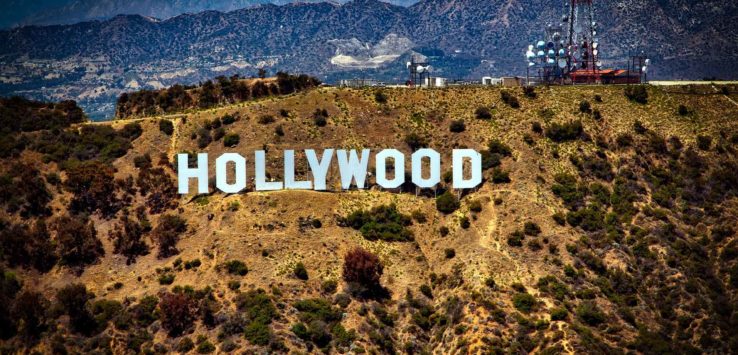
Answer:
[(605, 224)]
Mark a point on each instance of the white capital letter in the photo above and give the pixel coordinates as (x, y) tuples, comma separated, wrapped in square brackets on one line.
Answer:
[(319, 168), (261, 183), (435, 168), (221, 174), (289, 173), (185, 173), (458, 165), (353, 167), (381, 162)]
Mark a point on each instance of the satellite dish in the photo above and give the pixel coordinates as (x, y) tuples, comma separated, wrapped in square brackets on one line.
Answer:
[(541, 44), (556, 36), (599, 64), (551, 53), (562, 63), (594, 24), (644, 69), (551, 61), (530, 47), (648, 62), (595, 45), (594, 33), (530, 64), (562, 52), (594, 52), (420, 69), (541, 54)]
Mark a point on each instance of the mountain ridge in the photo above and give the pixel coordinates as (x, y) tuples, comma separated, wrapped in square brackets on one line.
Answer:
[(465, 40)]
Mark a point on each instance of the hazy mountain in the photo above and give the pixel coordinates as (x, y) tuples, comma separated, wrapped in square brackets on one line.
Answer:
[(50, 12), (94, 62)]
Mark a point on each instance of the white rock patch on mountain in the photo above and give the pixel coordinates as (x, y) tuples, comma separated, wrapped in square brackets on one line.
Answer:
[(352, 53)]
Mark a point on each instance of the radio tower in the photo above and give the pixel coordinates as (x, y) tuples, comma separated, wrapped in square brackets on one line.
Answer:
[(582, 43)]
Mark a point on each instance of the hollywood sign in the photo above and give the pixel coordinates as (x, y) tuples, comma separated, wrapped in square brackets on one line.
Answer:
[(352, 165)]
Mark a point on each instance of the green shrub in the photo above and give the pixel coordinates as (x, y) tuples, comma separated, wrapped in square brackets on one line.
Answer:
[(206, 347), (524, 302), (510, 99), (637, 93), (500, 176), (185, 345), (166, 127), (464, 222), (265, 119), (704, 142), (381, 223), (457, 126), (166, 279), (683, 110), (515, 239), (531, 228), (483, 113), (475, 206), (562, 132), (300, 271), (559, 218), (419, 216), (585, 107), (426, 290), (228, 119), (380, 97), (589, 313), (416, 141), (236, 267), (231, 140), (559, 313), (447, 203), (329, 286), (495, 146), (450, 253)]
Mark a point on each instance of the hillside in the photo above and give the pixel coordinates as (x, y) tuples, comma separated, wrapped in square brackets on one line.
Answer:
[(94, 62), (604, 225)]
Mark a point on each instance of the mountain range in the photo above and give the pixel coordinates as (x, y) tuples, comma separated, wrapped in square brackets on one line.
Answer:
[(54, 12), (93, 62)]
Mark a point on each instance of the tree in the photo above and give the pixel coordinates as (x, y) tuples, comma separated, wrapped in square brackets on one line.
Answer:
[(231, 140), (77, 242), (128, 238), (178, 312), (166, 127), (447, 203), (167, 233), (73, 301), (93, 188), (262, 73), (362, 268), (30, 309)]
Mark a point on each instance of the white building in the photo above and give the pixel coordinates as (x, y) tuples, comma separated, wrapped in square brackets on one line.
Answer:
[(488, 80), (434, 82)]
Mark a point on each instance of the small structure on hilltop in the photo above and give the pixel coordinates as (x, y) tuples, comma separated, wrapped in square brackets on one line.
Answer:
[(419, 70)]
